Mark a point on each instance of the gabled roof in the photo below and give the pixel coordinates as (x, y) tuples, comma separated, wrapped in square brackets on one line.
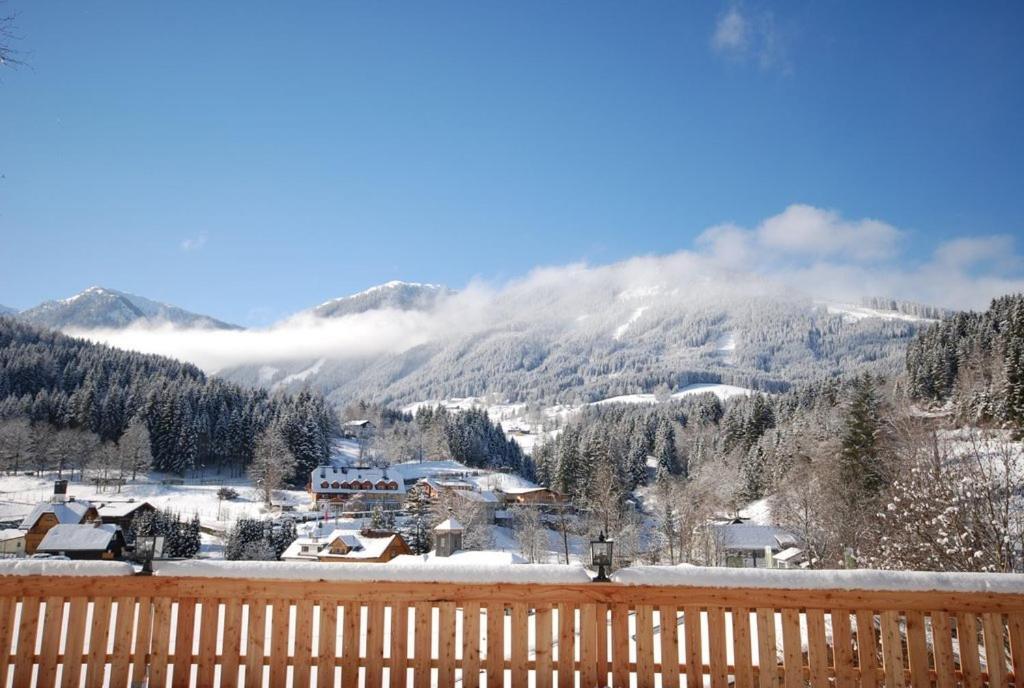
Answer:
[(362, 547), (486, 496), (449, 523), (66, 512), (346, 476), (78, 538), (746, 536), (121, 509)]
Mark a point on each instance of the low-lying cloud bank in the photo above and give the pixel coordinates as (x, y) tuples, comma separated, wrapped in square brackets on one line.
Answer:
[(803, 250)]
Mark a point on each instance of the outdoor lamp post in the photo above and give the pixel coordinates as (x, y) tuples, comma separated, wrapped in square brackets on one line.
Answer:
[(148, 548), (601, 557)]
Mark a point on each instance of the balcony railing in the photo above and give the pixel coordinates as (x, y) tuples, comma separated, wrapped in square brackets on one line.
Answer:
[(256, 625)]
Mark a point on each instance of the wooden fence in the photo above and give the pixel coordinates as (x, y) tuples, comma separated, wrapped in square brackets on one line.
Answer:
[(182, 631)]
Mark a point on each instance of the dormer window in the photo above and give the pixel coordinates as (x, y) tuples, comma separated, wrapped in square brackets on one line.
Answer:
[(325, 484), (346, 486), (335, 485)]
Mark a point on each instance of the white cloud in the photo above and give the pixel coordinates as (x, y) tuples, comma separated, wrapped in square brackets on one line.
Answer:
[(730, 36), (741, 35), (194, 243), (801, 252)]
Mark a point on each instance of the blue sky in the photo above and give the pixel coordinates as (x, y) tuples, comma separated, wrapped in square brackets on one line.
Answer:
[(247, 160)]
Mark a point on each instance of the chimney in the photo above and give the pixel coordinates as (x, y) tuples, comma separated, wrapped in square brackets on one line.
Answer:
[(60, 491)]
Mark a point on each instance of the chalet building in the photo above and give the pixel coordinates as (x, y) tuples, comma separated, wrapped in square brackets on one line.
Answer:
[(348, 546), (124, 513), (334, 486), (534, 496), (747, 545), (83, 541), (358, 429), (61, 509), (463, 493), (437, 487)]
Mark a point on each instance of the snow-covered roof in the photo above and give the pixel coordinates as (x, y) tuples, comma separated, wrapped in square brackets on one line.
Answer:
[(788, 553), (518, 490), (360, 547), (485, 496), (11, 534), (449, 524), (78, 538), (487, 557), (342, 480), (747, 536), (66, 512), (120, 509), (358, 423), (445, 483)]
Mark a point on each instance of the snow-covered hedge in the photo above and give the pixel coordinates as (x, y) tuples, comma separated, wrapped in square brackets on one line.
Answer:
[(60, 567), (411, 572), (920, 581)]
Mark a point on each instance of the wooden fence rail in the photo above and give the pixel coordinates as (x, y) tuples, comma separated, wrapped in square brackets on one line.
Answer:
[(185, 631)]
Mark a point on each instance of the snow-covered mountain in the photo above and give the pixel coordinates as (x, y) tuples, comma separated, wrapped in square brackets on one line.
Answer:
[(6, 310), (592, 340), (398, 295), (102, 308)]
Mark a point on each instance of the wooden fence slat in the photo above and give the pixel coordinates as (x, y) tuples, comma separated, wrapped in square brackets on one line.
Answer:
[(74, 641), (995, 652), (398, 676), (566, 646), (603, 660), (209, 622), (28, 626), (967, 637), (352, 621), (520, 636), (543, 638), (303, 643), (255, 641), (892, 649), (1016, 630), (495, 646), (231, 643), (620, 645), (644, 646), (744, 669), (867, 648), (327, 644), (917, 651), (692, 632), (817, 651), (588, 645), (124, 622), (792, 648), (280, 625), (181, 676), (7, 609), (53, 624), (421, 659), (445, 644), (98, 635), (375, 643), (717, 651), (942, 645), (143, 636), (767, 650), (471, 645), (842, 647), (669, 623), (161, 641)]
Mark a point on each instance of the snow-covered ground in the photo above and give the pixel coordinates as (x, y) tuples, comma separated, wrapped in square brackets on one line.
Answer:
[(852, 313), (723, 392)]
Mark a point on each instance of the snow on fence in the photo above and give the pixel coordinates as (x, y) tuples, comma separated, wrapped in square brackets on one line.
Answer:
[(238, 625)]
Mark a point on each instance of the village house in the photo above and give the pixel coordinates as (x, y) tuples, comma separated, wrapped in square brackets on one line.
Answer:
[(83, 541), (534, 496), (123, 514), (462, 493), (346, 546), (333, 487), (61, 509), (12, 543), (358, 429), (747, 545)]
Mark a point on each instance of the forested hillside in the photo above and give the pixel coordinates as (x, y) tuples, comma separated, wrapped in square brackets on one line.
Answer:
[(854, 466), (95, 392)]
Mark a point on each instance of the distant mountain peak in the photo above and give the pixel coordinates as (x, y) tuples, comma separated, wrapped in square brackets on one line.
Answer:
[(104, 308), (396, 294)]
